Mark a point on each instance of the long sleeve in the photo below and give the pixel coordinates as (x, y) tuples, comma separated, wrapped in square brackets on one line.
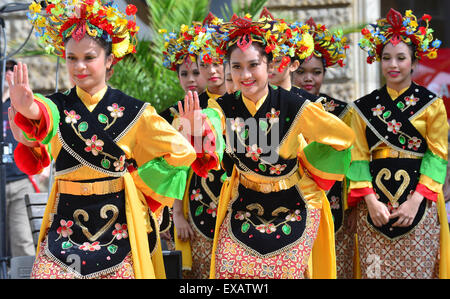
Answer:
[(329, 140), (434, 163), (33, 160), (163, 157)]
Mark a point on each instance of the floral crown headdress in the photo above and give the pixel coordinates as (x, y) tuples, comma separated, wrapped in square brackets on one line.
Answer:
[(396, 28), (276, 36), (62, 19), (289, 40), (329, 45), (191, 42)]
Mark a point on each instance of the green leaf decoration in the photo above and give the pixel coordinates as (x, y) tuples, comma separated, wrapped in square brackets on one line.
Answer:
[(106, 163), (244, 134), (112, 248), (83, 126), (262, 167), (199, 211), (245, 227), (286, 229), (102, 118), (66, 245), (263, 125)]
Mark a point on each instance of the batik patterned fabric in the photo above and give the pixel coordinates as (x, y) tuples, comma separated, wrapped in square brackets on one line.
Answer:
[(236, 262), (345, 250), (415, 255), (201, 248), (47, 268)]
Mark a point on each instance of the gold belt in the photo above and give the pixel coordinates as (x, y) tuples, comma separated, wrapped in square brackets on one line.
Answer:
[(267, 186), (98, 188), (390, 153)]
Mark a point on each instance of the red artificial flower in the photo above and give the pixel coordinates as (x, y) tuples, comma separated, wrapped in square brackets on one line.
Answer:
[(270, 48), (131, 25), (207, 59), (365, 31), (423, 30), (426, 17), (131, 10), (341, 62), (48, 9), (89, 2)]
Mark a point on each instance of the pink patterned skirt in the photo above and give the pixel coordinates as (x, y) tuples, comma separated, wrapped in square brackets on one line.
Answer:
[(234, 261), (45, 267)]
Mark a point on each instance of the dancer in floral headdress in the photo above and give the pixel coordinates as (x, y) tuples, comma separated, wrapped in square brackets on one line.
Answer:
[(286, 151), (194, 218), (400, 157), (114, 155), (329, 51)]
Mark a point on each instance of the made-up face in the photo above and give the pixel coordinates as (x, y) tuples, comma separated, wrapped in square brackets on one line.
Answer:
[(190, 77), (249, 71), (282, 78), (214, 76), (86, 64), (229, 84), (309, 75), (397, 65)]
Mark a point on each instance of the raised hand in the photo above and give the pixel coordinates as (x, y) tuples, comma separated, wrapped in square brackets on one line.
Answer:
[(191, 117), (21, 94)]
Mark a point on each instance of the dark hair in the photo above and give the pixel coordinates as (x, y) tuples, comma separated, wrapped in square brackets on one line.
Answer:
[(324, 63), (257, 46)]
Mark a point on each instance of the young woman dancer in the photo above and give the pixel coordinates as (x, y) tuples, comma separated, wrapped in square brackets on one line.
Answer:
[(109, 149), (273, 209), (194, 217), (399, 158)]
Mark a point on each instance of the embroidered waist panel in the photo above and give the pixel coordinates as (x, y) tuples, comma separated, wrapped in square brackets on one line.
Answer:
[(268, 223), (89, 233), (394, 181), (203, 201)]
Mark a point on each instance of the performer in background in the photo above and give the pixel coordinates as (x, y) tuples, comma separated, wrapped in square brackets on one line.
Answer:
[(400, 157), (109, 149), (194, 218)]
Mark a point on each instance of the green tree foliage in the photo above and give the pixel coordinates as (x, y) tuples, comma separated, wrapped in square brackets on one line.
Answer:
[(143, 75)]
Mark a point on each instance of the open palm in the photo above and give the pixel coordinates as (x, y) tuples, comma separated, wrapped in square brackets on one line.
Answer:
[(20, 92)]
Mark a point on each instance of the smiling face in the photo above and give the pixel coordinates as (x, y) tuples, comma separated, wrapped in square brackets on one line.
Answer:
[(396, 65), (190, 78), (214, 76), (87, 64), (309, 75), (249, 71)]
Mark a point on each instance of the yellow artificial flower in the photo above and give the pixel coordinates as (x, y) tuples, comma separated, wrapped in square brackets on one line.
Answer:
[(184, 28), (35, 7), (121, 49), (408, 13), (162, 31), (432, 54)]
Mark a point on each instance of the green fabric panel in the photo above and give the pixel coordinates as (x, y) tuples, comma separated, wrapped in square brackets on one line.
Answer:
[(327, 159), (216, 122), (434, 167), (164, 179), (55, 114), (359, 171)]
